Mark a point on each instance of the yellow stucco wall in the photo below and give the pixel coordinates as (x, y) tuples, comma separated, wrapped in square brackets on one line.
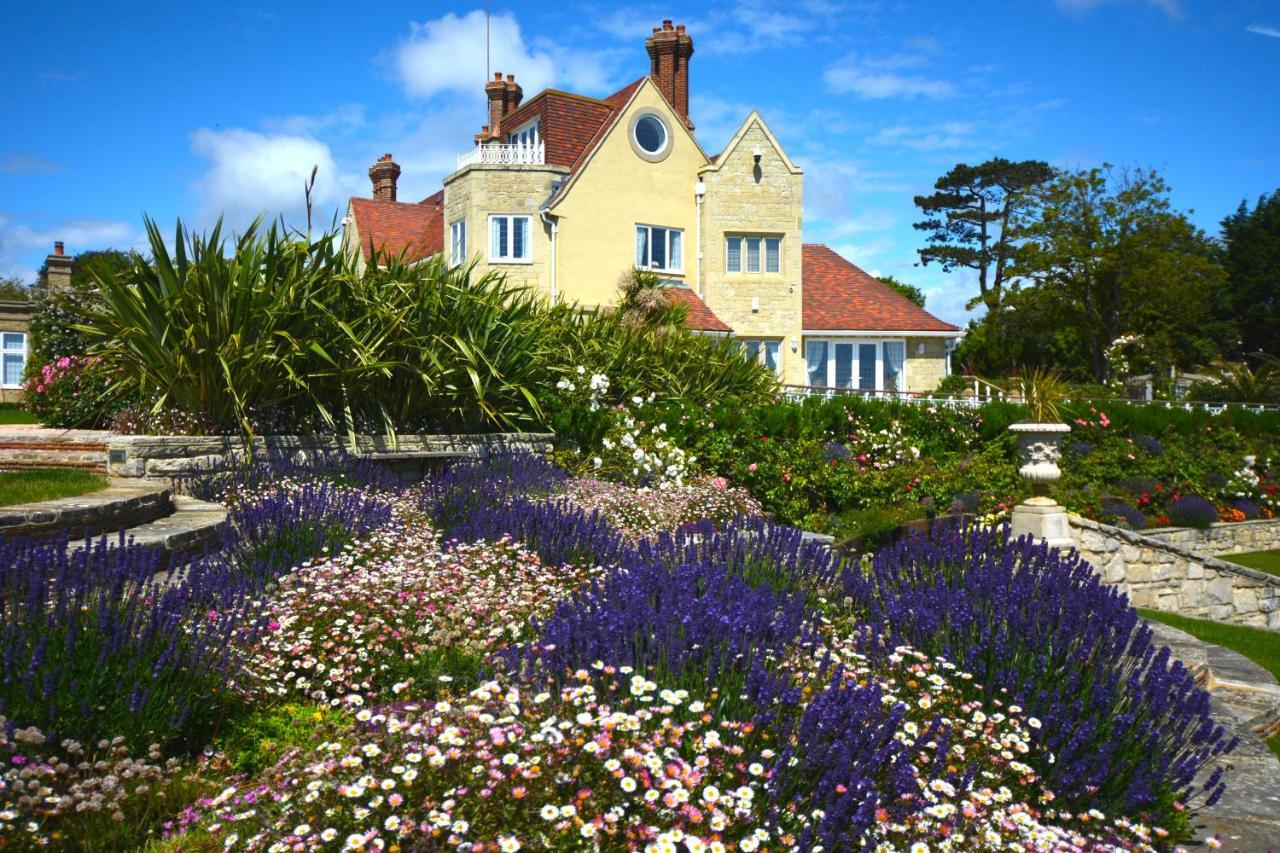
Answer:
[(744, 198), (618, 190)]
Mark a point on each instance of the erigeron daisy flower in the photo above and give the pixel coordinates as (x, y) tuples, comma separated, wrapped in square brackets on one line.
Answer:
[(549, 812)]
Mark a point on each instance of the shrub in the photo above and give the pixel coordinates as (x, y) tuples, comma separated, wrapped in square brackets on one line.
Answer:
[(1132, 517), (1127, 728), (1248, 508), (1192, 511), (1152, 446), (72, 391)]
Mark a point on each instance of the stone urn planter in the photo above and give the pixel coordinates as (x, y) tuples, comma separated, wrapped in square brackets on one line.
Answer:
[(1040, 446)]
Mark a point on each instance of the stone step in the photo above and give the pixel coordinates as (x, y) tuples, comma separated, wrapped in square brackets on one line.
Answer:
[(191, 527), (31, 446), (124, 503)]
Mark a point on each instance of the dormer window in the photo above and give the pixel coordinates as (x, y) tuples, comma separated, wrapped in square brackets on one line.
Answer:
[(527, 134)]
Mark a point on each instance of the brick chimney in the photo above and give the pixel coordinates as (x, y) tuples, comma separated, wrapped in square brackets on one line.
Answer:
[(384, 174), (669, 50), (504, 97), (58, 268)]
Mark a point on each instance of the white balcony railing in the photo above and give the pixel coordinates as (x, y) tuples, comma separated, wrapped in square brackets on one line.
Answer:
[(505, 155)]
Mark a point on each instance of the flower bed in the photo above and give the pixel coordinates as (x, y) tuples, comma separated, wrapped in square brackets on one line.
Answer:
[(482, 663)]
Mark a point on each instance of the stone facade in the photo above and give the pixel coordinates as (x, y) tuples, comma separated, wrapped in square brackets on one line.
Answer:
[(746, 198), (168, 456), (925, 369), (1223, 538), (15, 316), (474, 192), (1163, 575)]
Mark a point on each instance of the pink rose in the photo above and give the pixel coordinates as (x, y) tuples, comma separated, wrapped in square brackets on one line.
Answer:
[(752, 467)]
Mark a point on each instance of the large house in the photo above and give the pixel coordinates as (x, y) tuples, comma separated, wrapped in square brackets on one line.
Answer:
[(563, 193)]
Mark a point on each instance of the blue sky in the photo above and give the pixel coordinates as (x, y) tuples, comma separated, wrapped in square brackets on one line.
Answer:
[(177, 109)]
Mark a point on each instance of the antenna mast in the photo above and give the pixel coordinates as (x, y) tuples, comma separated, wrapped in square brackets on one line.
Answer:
[(486, 41)]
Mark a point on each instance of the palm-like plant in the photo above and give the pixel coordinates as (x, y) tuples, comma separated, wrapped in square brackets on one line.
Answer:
[(1233, 381), (1043, 389)]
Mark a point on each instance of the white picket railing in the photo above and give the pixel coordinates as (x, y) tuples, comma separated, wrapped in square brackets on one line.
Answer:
[(505, 155)]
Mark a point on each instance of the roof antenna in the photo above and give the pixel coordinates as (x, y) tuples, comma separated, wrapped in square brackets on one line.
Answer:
[(486, 40)]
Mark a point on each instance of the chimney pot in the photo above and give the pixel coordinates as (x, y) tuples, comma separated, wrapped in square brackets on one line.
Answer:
[(497, 75), (57, 248), (666, 24), (511, 78)]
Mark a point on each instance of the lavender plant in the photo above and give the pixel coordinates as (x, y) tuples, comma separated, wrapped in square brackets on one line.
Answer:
[(1192, 511), (92, 646), (1128, 728)]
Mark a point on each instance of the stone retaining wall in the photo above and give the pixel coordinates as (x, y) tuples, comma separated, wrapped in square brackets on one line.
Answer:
[(1223, 538), (1163, 575), (167, 456)]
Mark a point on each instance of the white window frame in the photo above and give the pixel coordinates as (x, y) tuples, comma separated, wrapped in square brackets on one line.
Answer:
[(457, 242), (854, 341), (762, 253), (761, 344), (527, 135), (8, 352), (494, 256), (668, 231)]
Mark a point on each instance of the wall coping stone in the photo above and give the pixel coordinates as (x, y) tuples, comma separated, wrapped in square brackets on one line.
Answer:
[(123, 503)]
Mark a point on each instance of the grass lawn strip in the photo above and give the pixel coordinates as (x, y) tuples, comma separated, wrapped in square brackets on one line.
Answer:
[(1263, 561), (43, 484), (1257, 644)]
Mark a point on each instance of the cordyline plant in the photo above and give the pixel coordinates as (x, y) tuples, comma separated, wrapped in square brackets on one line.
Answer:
[(1128, 727)]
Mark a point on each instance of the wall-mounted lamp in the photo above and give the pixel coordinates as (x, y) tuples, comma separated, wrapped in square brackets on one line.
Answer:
[(795, 343), (755, 304), (920, 348), (757, 154)]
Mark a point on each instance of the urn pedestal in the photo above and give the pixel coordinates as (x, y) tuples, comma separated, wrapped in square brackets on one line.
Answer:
[(1040, 446)]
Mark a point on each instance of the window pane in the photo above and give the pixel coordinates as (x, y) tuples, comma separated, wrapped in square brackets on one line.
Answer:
[(752, 350), (867, 367), (12, 370), (815, 356), (753, 254), (659, 248), (642, 246), (498, 237), (14, 340), (844, 365), (772, 261), (520, 237), (735, 254), (894, 354), (771, 351), (675, 250)]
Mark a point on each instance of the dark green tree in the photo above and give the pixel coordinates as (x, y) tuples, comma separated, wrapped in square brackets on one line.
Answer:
[(910, 291), (59, 310), (13, 289), (1251, 256), (968, 219), (1107, 256)]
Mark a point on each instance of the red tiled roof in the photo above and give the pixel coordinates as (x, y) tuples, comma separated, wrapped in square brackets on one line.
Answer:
[(569, 122), (417, 230), (617, 101), (840, 296), (698, 316)]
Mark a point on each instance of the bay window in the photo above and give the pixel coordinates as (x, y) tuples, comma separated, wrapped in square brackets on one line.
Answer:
[(509, 239), (659, 249), (856, 363)]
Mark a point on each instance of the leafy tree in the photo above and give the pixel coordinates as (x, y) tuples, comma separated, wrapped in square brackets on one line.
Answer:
[(58, 311), (968, 219), (1251, 255), (910, 291), (1108, 256), (13, 289)]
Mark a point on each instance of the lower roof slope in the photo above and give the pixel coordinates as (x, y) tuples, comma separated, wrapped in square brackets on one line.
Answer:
[(838, 296)]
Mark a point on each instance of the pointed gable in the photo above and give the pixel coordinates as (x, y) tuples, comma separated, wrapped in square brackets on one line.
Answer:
[(838, 296)]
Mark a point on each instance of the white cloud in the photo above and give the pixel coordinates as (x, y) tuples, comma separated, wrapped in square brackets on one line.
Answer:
[(251, 173), (876, 78), (1172, 8), (1264, 30), (21, 242), (28, 164), (448, 55), (935, 137)]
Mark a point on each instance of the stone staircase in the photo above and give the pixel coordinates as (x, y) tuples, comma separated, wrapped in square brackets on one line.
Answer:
[(1246, 699), (144, 512)]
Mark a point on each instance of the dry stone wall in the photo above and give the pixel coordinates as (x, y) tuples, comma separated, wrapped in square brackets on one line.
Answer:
[(1168, 576)]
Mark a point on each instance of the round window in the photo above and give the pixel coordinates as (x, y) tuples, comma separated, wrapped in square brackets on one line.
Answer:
[(650, 134)]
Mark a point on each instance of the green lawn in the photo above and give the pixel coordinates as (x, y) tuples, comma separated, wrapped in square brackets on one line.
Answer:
[(1257, 644), (1263, 561), (10, 413), (42, 484)]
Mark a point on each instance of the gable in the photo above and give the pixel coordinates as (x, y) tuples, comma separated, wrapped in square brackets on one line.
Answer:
[(838, 296), (754, 128)]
